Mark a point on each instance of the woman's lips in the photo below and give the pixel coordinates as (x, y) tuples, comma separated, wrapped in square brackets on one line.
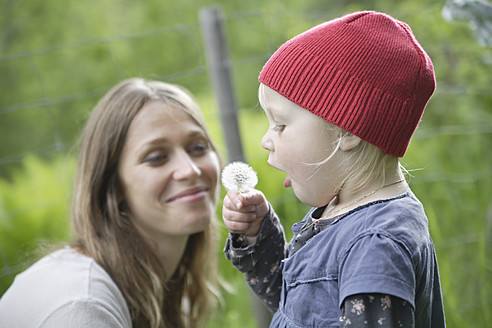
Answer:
[(189, 195)]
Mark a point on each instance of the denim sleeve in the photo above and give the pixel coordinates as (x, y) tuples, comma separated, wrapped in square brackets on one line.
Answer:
[(377, 262), (260, 262)]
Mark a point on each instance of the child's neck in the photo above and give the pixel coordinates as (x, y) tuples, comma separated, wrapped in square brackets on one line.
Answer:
[(348, 198)]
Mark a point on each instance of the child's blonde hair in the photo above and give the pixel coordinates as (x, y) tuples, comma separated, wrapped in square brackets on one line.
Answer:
[(367, 163), (364, 164)]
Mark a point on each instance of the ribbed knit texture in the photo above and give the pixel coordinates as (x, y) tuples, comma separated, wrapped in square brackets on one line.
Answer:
[(364, 72)]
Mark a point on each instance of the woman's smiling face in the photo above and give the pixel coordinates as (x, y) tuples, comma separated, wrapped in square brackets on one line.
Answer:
[(169, 172), (297, 140)]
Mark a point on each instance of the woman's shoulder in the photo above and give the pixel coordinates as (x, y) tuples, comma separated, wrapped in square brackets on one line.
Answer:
[(61, 269), (60, 279)]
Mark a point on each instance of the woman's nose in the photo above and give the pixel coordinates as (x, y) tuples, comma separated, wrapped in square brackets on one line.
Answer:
[(185, 166)]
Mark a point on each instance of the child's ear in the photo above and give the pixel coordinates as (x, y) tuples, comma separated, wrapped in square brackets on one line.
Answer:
[(349, 142)]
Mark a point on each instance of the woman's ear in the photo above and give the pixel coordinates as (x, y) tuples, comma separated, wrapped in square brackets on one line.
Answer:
[(349, 142)]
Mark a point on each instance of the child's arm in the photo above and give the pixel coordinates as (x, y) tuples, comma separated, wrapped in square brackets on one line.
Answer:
[(256, 245), (376, 310)]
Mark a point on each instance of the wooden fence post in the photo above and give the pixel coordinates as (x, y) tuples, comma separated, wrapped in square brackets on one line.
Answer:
[(219, 68)]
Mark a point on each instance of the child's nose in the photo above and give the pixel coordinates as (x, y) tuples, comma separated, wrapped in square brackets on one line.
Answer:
[(186, 167), (266, 142)]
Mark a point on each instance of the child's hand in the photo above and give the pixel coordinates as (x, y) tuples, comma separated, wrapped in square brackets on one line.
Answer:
[(243, 213)]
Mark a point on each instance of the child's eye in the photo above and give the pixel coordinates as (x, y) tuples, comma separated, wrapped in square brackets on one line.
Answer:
[(278, 128)]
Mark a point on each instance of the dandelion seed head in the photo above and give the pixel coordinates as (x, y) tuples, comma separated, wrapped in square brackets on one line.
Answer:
[(239, 176)]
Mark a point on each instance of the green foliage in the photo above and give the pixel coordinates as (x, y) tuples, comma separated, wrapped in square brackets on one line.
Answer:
[(34, 207)]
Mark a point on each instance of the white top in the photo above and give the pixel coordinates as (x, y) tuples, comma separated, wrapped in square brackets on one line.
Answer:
[(64, 289)]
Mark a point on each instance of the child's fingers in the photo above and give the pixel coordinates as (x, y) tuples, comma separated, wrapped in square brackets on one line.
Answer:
[(244, 212), (233, 202), (235, 215), (255, 198), (237, 222), (238, 227), (252, 197)]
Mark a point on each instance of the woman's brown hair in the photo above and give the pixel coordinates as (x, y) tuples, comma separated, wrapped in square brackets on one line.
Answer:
[(104, 229)]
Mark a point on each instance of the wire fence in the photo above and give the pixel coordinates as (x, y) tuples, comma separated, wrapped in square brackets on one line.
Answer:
[(46, 102), (198, 69)]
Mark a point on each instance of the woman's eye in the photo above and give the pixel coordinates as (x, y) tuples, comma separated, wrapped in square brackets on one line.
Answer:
[(199, 147), (278, 128), (155, 158)]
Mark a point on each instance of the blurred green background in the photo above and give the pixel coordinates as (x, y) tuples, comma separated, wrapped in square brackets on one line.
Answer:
[(57, 58)]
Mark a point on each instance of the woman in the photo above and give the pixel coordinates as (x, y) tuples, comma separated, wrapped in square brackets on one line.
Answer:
[(143, 219)]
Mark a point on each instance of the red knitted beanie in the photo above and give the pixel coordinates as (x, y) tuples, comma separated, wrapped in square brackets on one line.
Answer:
[(364, 72)]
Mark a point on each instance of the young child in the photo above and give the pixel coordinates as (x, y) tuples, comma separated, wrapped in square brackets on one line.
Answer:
[(342, 100)]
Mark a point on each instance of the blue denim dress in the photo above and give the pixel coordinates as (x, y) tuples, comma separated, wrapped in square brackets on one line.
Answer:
[(381, 247)]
